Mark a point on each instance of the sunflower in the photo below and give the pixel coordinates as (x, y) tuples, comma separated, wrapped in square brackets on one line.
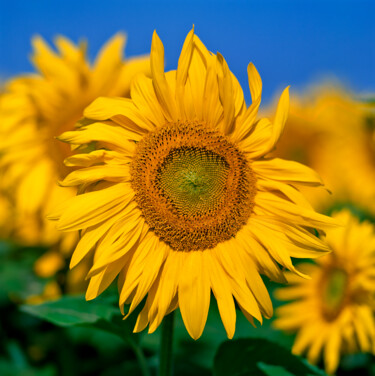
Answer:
[(36, 108), (6, 213), (333, 312), (332, 132), (178, 199)]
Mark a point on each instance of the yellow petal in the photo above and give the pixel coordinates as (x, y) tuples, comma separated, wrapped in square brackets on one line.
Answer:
[(150, 271), (223, 293), (240, 290), (280, 118), (108, 63), (266, 264), (121, 111), (136, 265), (212, 111), (226, 95), (286, 210), (103, 132), (287, 171), (96, 157), (162, 89), (130, 69), (194, 294), (112, 173), (101, 281), (144, 97), (266, 135), (167, 288), (332, 352), (93, 207), (109, 252), (183, 68), (255, 84)]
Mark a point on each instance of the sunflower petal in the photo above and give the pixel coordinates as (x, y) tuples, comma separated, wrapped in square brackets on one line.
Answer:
[(194, 294)]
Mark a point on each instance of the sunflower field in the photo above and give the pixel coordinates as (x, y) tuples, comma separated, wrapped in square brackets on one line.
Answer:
[(187, 188)]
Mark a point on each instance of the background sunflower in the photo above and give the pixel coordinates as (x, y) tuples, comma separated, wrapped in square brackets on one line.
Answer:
[(333, 313)]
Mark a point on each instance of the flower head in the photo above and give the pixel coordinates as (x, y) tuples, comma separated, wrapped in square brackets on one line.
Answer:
[(333, 312), (178, 199), (36, 108), (334, 133)]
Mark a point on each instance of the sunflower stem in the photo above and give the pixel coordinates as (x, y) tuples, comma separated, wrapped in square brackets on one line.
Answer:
[(166, 344), (132, 343), (141, 358)]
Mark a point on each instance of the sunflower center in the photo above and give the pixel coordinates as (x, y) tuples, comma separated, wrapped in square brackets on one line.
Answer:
[(194, 187), (334, 292), (193, 179)]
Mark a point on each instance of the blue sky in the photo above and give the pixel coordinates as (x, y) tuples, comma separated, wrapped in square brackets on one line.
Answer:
[(291, 42)]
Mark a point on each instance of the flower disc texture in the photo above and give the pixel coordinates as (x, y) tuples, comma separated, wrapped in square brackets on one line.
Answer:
[(36, 108), (178, 199), (333, 312)]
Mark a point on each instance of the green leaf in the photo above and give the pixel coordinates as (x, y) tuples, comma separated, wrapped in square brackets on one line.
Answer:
[(259, 357), (73, 310), (273, 370)]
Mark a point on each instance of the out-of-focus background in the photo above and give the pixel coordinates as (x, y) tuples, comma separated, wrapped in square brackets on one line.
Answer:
[(291, 42), (321, 44)]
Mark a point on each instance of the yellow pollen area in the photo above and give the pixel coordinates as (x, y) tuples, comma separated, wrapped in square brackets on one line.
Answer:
[(194, 188), (193, 179), (334, 292)]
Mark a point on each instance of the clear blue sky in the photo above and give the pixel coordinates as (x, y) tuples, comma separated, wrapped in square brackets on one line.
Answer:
[(290, 41)]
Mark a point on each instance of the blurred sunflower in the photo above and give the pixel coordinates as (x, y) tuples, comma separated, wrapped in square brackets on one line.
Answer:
[(333, 312), (330, 131), (177, 198), (34, 109), (6, 217)]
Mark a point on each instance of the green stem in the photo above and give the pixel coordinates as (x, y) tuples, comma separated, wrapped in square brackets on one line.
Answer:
[(138, 352), (165, 365), (140, 357)]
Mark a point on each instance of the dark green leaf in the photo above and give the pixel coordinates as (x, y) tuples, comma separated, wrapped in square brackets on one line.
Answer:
[(273, 370), (253, 356), (73, 310)]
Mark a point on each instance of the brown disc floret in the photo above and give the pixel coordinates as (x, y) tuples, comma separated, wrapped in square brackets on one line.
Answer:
[(194, 187)]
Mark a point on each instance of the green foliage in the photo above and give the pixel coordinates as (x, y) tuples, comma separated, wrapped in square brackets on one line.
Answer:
[(73, 310), (73, 337), (269, 370), (17, 280), (259, 357), (17, 364)]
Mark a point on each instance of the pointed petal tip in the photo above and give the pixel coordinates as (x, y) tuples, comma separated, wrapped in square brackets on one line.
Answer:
[(37, 41), (251, 67), (230, 335), (285, 92), (120, 35), (155, 36), (90, 296)]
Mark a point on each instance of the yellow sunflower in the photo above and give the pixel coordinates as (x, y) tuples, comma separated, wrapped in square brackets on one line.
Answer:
[(333, 312), (178, 199), (36, 108), (332, 132), (6, 217)]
